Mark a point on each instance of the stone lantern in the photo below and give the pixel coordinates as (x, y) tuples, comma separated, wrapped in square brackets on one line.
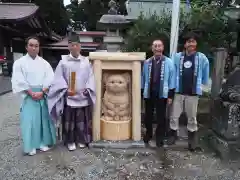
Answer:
[(114, 24)]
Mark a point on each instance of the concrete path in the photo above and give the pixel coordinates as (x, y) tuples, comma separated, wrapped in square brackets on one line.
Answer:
[(5, 84), (102, 164)]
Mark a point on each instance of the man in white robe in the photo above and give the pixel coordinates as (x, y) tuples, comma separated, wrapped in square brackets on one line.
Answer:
[(31, 78)]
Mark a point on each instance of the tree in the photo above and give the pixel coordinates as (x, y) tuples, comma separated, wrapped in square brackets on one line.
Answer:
[(213, 27), (53, 11), (87, 13), (220, 3), (145, 30)]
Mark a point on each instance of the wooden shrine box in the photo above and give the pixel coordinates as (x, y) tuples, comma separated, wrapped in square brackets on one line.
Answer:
[(116, 62)]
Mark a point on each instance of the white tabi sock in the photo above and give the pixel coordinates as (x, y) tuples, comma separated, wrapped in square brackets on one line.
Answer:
[(72, 147), (44, 148), (81, 145), (32, 153)]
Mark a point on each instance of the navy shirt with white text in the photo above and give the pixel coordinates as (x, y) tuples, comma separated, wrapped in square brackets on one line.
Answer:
[(188, 74)]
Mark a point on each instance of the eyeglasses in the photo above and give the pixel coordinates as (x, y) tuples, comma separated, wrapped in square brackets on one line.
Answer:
[(157, 45)]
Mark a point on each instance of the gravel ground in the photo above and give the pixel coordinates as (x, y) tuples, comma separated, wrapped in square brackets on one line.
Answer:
[(103, 164), (5, 84)]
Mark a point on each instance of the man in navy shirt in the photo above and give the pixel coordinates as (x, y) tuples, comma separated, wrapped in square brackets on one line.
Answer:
[(157, 80), (191, 72), (188, 73)]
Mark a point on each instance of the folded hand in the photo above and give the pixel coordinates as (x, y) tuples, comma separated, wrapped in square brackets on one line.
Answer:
[(169, 101), (85, 92), (37, 95), (71, 93)]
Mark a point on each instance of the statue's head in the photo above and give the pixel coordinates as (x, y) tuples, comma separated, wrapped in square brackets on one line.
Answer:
[(112, 4), (113, 7), (116, 83)]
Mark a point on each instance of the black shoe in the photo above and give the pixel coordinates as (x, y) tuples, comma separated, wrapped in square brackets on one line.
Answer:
[(193, 142), (172, 138), (159, 140), (147, 138), (159, 144), (195, 149)]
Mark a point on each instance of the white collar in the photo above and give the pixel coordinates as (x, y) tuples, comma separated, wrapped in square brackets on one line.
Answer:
[(31, 57), (78, 58)]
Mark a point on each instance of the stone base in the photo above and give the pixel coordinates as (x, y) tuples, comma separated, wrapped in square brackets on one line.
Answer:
[(224, 148), (127, 144)]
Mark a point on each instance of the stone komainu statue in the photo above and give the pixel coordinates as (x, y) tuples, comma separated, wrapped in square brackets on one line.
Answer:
[(226, 108)]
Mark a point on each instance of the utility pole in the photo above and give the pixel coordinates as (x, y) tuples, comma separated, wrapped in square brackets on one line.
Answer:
[(174, 27), (174, 37)]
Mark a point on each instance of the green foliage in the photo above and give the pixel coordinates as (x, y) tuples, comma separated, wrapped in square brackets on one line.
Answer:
[(145, 30), (220, 3), (55, 14), (213, 27), (88, 12)]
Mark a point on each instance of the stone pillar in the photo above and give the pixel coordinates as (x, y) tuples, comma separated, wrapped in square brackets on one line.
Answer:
[(224, 134), (218, 70)]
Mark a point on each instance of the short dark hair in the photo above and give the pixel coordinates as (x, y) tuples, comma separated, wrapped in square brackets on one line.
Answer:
[(157, 40), (191, 35), (31, 37)]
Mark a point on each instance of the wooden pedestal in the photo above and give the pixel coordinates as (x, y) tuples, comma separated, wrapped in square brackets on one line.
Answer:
[(115, 130), (118, 61)]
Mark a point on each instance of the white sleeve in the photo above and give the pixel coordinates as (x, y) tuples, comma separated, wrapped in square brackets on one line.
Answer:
[(19, 83), (49, 76)]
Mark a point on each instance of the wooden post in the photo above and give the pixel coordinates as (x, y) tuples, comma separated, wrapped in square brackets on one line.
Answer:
[(218, 71), (136, 101), (97, 108), (73, 81)]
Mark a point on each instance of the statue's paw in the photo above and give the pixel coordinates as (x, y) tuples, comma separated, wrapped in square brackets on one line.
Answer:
[(125, 118), (116, 118), (108, 118)]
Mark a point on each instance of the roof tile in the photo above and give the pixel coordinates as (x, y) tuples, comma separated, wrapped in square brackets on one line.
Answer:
[(16, 11)]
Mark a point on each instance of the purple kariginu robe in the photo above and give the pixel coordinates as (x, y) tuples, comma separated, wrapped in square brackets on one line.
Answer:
[(74, 108)]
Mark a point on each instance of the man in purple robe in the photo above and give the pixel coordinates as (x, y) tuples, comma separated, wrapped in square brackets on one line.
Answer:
[(74, 105)]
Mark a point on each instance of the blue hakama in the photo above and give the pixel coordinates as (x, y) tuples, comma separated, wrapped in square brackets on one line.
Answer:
[(36, 126)]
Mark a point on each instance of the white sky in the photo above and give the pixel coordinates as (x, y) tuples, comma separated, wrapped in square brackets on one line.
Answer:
[(66, 2)]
